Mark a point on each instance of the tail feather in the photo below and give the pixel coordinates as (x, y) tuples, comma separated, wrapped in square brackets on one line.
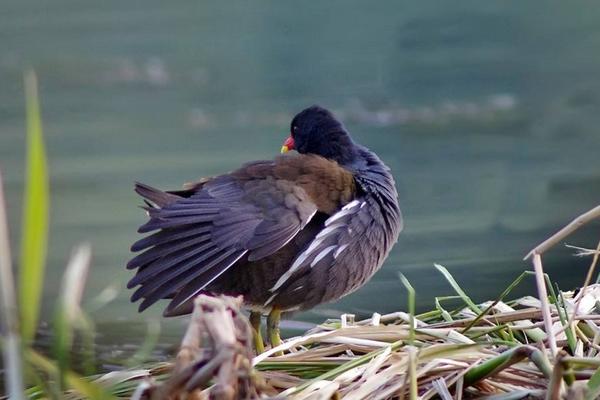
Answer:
[(155, 196)]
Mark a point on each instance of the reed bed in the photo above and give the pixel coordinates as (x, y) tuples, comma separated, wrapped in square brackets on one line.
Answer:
[(496, 350)]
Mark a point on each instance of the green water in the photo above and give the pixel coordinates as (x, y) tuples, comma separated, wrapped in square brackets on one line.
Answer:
[(487, 112)]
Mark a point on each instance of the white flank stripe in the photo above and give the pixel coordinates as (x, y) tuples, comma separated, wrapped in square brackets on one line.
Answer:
[(353, 203), (270, 299), (314, 245), (337, 216), (281, 281), (347, 209), (328, 230), (339, 250), (322, 254), (308, 219), (290, 271)]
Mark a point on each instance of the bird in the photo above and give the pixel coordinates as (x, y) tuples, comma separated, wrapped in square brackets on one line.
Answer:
[(307, 227)]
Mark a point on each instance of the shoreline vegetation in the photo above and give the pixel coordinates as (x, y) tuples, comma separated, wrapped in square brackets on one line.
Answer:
[(544, 346)]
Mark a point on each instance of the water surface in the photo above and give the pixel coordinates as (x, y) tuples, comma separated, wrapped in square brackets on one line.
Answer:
[(487, 113)]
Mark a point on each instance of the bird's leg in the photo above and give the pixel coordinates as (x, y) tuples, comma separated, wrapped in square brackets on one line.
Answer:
[(273, 327), (255, 319)]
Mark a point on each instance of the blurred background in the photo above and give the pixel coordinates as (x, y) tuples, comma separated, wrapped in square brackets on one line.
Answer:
[(487, 113)]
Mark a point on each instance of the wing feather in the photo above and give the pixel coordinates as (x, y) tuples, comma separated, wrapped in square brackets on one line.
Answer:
[(199, 237), (181, 303), (179, 279), (165, 249), (168, 235), (172, 267)]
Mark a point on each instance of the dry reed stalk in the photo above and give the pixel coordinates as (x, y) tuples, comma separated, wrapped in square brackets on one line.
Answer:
[(543, 297), (11, 345), (536, 253), (214, 360), (565, 231), (587, 282)]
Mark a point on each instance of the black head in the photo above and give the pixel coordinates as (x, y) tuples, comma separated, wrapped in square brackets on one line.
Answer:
[(316, 131)]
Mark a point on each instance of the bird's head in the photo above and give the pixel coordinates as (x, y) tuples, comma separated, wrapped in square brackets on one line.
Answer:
[(315, 130)]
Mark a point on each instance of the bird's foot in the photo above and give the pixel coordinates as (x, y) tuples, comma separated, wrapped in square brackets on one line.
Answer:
[(255, 322), (273, 329)]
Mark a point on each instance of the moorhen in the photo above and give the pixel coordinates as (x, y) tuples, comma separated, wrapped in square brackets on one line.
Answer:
[(287, 234)]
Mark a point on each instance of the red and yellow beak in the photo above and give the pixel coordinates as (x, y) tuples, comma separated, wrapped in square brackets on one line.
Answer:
[(288, 145)]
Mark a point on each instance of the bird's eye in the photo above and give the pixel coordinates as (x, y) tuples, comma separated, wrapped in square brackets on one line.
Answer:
[(294, 129)]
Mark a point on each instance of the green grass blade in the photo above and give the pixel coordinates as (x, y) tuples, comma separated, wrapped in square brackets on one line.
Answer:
[(505, 293), (505, 360), (87, 331), (145, 350), (445, 314), (457, 288), (88, 389), (35, 216), (593, 386), (411, 307), (68, 309), (561, 308)]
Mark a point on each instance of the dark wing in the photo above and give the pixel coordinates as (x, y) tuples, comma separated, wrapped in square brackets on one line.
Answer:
[(349, 250), (199, 237)]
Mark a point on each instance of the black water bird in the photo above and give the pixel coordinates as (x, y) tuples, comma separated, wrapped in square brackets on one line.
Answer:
[(305, 228)]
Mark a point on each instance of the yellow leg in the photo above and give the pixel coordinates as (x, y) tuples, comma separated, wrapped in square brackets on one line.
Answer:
[(255, 319), (273, 328)]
